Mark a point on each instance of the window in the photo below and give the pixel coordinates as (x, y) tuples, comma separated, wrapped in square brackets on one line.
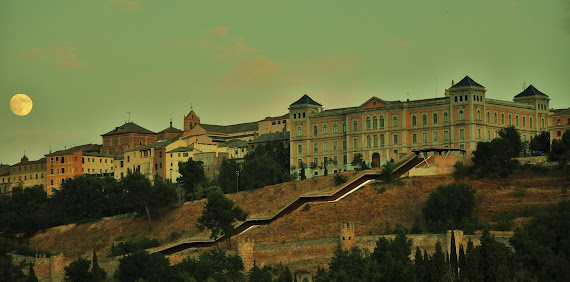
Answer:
[(424, 137), (488, 134), (368, 141), (395, 138), (445, 117), (435, 136), (299, 149), (315, 130), (184, 154), (446, 136), (502, 118), (382, 140), (461, 115), (479, 133), (294, 116), (558, 122), (524, 121), (542, 123), (355, 143), (335, 128), (325, 129), (344, 159), (368, 123), (531, 124), (414, 121), (63, 170), (51, 171), (344, 127), (510, 120), (299, 162), (51, 182), (478, 115), (414, 138), (344, 145), (303, 115), (325, 146), (495, 118), (374, 123), (299, 131), (434, 118), (335, 146), (558, 133), (488, 117), (375, 140), (128, 158), (462, 134), (424, 119), (381, 121), (335, 160), (355, 125), (516, 120), (395, 121), (316, 147)]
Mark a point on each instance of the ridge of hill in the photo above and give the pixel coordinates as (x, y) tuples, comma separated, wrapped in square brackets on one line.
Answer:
[(368, 208)]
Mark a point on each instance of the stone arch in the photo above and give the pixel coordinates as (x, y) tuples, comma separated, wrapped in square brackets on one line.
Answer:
[(375, 160)]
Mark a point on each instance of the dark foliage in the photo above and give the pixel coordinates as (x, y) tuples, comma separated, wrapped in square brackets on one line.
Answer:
[(541, 143), (340, 179), (78, 271), (227, 177), (133, 245), (215, 264), (451, 204), (494, 159), (191, 175), (142, 265), (358, 162)]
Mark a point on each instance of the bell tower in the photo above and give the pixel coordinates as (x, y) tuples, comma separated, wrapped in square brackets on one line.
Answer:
[(191, 120)]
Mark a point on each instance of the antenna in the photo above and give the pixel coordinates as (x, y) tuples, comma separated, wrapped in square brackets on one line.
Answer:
[(129, 117), (191, 107), (524, 85)]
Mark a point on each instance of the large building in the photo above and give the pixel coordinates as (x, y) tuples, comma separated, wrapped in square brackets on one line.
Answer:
[(381, 129), (68, 163), (24, 174), (126, 137)]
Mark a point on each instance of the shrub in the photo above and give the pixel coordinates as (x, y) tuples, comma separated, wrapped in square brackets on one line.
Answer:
[(416, 227), (306, 207), (339, 179), (461, 170), (133, 245), (519, 192)]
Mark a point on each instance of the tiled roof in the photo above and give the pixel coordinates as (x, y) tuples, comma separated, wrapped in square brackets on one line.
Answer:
[(84, 148), (4, 170), (466, 81), (40, 161), (530, 91), (98, 155), (171, 130), (562, 112), (129, 127), (306, 100), (285, 116), (234, 143), (242, 127), (157, 145), (270, 137), (181, 149)]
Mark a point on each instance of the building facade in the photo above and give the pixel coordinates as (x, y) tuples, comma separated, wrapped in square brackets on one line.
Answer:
[(381, 130), (126, 137)]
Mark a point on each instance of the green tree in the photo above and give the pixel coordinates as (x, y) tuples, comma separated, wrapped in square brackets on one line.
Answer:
[(461, 261), (261, 171), (32, 275), (191, 175), (227, 177), (142, 265), (421, 271), (560, 151), (219, 214), (8, 270), (211, 265), (541, 143), (453, 256), (387, 170), (437, 268), (302, 167), (451, 203), (78, 271), (285, 276), (513, 138), (97, 273), (358, 162), (491, 261), (257, 274)]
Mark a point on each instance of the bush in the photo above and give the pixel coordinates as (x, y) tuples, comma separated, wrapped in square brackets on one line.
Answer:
[(449, 205), (519, 192), (133, 245), (504, 220), (339, 179), (416, 227), (461, 170)]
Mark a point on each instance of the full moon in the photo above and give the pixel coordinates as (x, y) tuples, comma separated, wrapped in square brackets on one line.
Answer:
[(21, 104)]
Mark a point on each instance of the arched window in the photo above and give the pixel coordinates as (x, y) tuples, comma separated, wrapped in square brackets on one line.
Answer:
[(381, 121), (315, 130), (381, 139), (510, 120), (368, 123), (495, 119), (299, 131), (375, 140), (325, 129), (530, 122), (502, 118), (414, 121), (542, 123), (478, 115), (434, 118), (355, 125), (424, 119), (461, 115), (445, 117), (368, 141), (524, 121), (374, 122)]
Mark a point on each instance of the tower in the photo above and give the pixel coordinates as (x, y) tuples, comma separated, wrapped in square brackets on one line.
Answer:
[(346, 235), (190, 121), (245, 251)]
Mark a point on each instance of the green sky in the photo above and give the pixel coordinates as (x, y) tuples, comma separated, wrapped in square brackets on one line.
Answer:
[(86, 64)]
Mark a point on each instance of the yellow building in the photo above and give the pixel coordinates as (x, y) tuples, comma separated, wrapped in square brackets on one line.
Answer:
[(381, 129), (25, 174)]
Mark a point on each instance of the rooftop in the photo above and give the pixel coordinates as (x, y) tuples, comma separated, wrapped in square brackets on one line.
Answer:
[(84, 148), (530, 91), (234, 143), (270, 137), (128, 127), (466, 81), (306, 100), (157, 145), (242, 127)]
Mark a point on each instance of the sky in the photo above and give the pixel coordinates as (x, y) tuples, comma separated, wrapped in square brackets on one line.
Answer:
[(87, 64)]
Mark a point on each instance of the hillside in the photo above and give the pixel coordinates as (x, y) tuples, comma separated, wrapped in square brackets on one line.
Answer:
[(368, 208)]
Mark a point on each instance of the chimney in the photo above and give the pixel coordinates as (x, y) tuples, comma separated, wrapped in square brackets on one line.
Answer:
[(170, 122), (452, 83)]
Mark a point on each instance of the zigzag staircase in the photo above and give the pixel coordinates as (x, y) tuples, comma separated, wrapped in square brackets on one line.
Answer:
[(407, 162)]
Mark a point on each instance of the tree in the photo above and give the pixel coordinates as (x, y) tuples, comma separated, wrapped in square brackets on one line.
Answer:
[(453, 203), (437, 268), (358, 162), (561, 150), (219, 214), (32, 275), (213, 265), (285, 276), (97, 273), (513, 138), (420, 264), (494, 159), (78, 271), (302, 167), (261, 171), (541, 143), (461, 261), (453, 256), (191, 174), (257, 274), (227, 176), (387, 170), (491, 261), (142, 265)]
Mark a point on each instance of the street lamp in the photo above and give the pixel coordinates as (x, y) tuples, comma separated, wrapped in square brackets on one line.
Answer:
[(237, 181)]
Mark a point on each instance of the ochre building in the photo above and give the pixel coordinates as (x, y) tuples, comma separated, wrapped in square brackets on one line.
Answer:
[(382, 129)]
